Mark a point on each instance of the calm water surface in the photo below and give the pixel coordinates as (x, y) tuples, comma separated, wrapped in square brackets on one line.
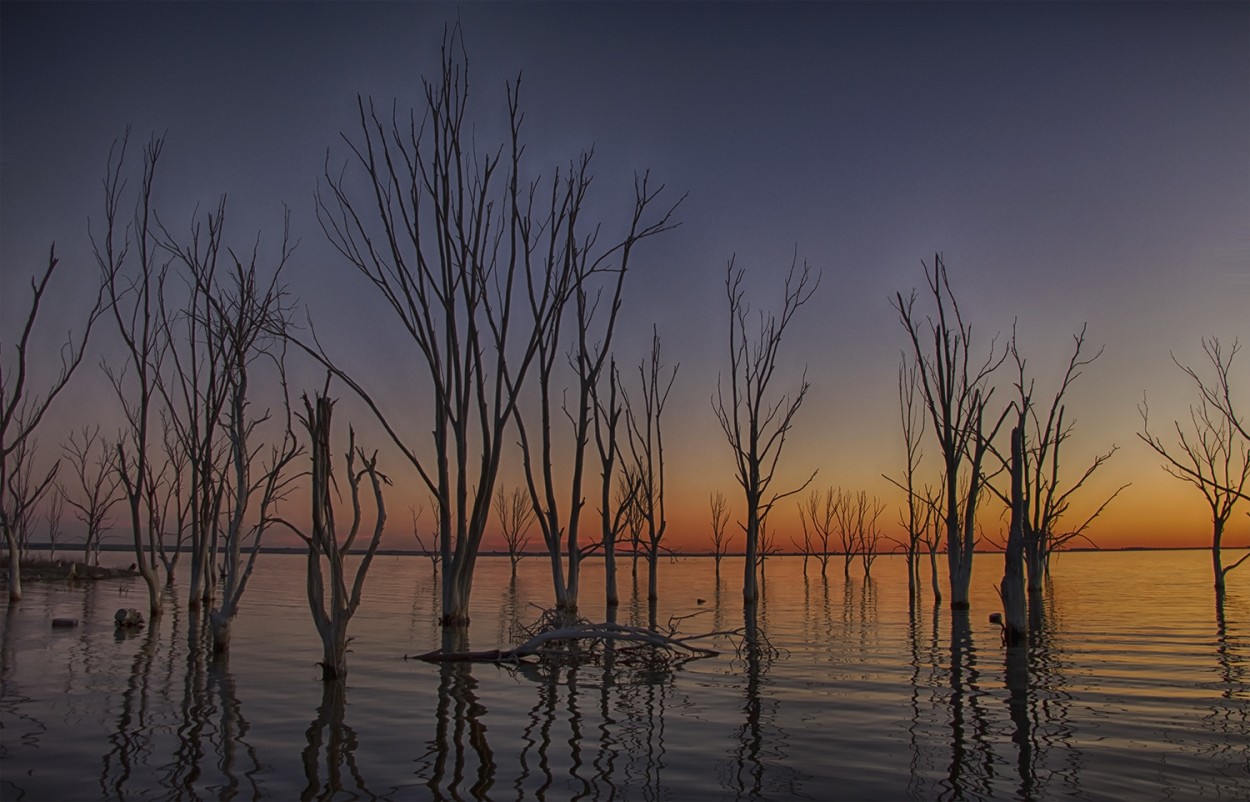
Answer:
[(1138, 689)]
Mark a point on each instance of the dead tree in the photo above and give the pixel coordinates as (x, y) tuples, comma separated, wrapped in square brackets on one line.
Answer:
[(516, 516), (646, 445), (1047, 497), (867, 532), (252, 314), (131, 281), (755, 425), (1012, 589), (327, 551), (175, 503), (818, 514), (22, 409), (53, 517), (618, 484), (432, 553), (452, 240), (580, 276), (914, 517), (95, 486), (1212, 453), (844, 513), (720, 516), (956, 395), (195, 391)]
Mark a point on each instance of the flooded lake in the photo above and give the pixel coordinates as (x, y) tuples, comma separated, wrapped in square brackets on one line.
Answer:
[(1138, 688)]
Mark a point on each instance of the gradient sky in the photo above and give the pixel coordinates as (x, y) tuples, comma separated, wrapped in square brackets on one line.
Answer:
[(1073, 162)]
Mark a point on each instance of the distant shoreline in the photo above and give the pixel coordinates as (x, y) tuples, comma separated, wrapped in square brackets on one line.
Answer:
[(393, 552)]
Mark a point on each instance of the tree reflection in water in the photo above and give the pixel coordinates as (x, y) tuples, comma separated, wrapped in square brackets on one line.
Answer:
[(758, 767), (331, 731), (1230, 718), (132, 742), (459, 729), (212, 733)]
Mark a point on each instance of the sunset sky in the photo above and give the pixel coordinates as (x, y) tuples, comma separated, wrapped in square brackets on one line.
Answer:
[(1075, 163)]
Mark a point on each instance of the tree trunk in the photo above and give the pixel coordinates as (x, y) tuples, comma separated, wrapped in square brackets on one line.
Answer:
[(1015, 611), (1216, 561), (15, 566), (653, 573), (933, 577), (219, 625), (750, 585), (612, 596)]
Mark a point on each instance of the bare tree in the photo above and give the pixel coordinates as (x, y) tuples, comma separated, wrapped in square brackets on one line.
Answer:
[(932, 536), (914, 517), (818, 515), (755, 425), (646, 445), (1047, 497), (433, 553), (460, 256), (1011, 590), (96, 485), (618, 505), (867, 531), (175, 503), (516, 516), (133, 296), (252, 315), (571, 257), (720, 516), (1212, 453), (326, 547), (22, 409), (845, 512), (956, 394), (194, 390), (53, 517)]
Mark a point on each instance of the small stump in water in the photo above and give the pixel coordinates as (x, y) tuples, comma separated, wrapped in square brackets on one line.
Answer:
[(64, 623), (128, 618)]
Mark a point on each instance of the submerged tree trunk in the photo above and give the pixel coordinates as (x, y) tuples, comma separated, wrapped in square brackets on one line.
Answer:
[(15, 564)]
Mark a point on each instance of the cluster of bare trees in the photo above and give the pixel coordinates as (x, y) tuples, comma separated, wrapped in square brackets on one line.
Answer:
[(22, 408), (510, 302), (837, 521), (945, 387)]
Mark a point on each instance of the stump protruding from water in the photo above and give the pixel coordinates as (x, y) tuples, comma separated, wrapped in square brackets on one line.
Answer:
[(128, 618)]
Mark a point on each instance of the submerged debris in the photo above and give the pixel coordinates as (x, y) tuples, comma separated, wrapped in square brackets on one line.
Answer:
[(559, 637)]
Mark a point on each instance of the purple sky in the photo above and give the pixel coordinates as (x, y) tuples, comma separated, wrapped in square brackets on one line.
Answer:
[(1074, 162)]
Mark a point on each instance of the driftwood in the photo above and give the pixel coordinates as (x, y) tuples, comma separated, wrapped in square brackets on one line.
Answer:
[(583, 641)]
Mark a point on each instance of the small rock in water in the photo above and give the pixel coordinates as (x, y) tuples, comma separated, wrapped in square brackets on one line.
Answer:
[(996, 618), (128, 618), (64, 623)]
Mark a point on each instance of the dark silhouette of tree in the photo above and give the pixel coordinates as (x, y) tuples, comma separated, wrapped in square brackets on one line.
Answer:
[(618, 485), (915, 516), (516, 516), (719, 506), (1212, 452), (327, 550), (131, 280), (96, 486), (1046, 496), (646, 445), (22, 408), (956, 395), (755, 425), (478, 267)]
